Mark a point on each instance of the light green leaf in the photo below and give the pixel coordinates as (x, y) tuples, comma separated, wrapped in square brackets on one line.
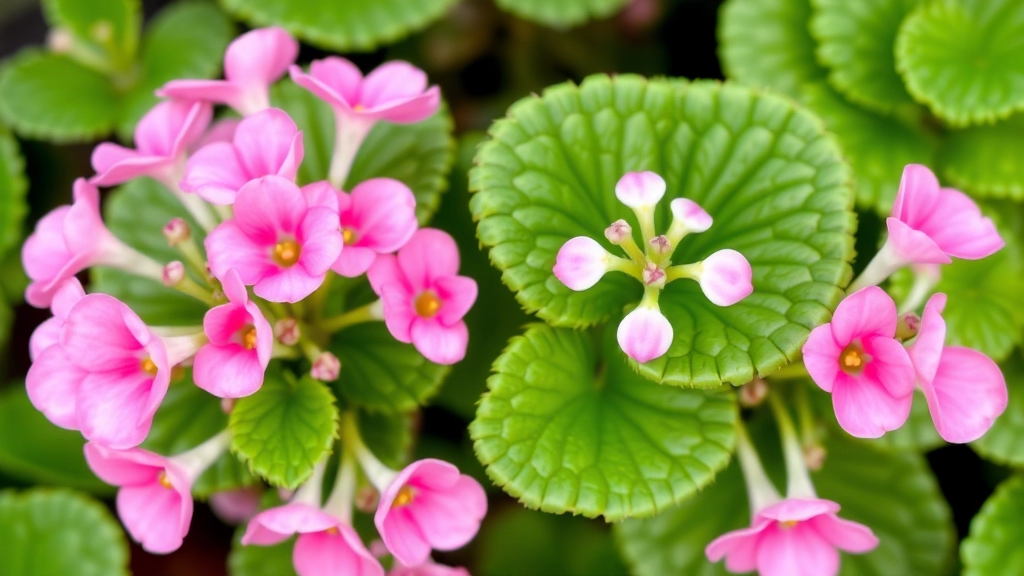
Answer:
[(261, 560), (33, 449), (993, 546), (855, 42), (1002, 443), (110, 26), (985, 160), (563, 13), (766, 172), (767, 43), (388, 436), (47, 532), (188, 417), (342, 26), (285, 428), (567, 428), (13, 187), (380, 373), (50, 97), (142, 229), (878, 147), (962, 58)]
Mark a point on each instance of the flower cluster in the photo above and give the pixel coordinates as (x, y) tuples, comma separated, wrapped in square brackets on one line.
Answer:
[(645, 334), (262, 264)]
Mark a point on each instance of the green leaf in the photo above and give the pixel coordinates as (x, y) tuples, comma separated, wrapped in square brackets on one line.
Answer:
[(767, 173), (893, 493), (388, 436), (111, 26), (380, 373), (47, 532), (993, 546), (962, 58), (137, 213), (878, 147), (33, 449), (985, 160), (342, 26), (285, 428), (420, 155), (855, 42), (184, 40), (563, 429), (767, 43), (563, 13), (261, 560), (51, 97), (13, 187), (188, 417), (1002, 442)]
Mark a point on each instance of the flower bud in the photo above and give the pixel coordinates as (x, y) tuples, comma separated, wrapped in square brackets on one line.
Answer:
[(689, 216), (177, 231), (907, 326), (366, 499), (645, 334), (660, 244), (725, 277), (653, 275), (640, 190), (326, 367), (753, 393), (814, 457), (60, 40), (286, 330), (174, 272), (580, 263), (618, 232)]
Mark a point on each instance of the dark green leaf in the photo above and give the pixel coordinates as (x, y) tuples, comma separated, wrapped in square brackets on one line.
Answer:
[(985, 160), (563, 13), (13, 187), (111, 26), (993, 546)]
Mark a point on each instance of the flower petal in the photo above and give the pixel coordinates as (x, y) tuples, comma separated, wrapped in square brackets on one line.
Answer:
[(354, 261), (438, 343), (821, 357), (890, 366), (581, 262), (324, 554), (215, 173), (275, 525), (645, 334), (865, 409), (269, 208), (383, 213), (228, 371), (797, 551), (725, 277), (228, 248), (155, 516), (958, 227), (269, 143), (458, 293), (334, 80), (288, 285), (865, 313), (429, 254), (640, 189), (848, 536), (321, 240), (913, 246), (52, 382), (260, 57), (926, 351), (966, 396), (691, 215), (115, 409)]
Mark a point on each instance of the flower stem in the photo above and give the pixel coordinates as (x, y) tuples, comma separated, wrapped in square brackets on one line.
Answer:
[(798, 480), (195, 461), (760, 491), (196, 206), (189, 287), (379, 475), (339, 504), (310, 491), (883, 265), (691, 271), (374, 311), (350, 131)]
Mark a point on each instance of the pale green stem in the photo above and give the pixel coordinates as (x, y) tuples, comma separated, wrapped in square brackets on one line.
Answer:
[(195, 461), (350, 131), (310, 491), (189, 287), (798, 479), (883, 265), (374, 311), (691, 271), (339, 504), (760, 491), (376, 472)]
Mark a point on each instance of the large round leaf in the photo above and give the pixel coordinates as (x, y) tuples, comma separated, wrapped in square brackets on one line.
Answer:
[(111, 26), (1003, 443), (993, 546), (13, 187), (985, 160), (767, 173), (563, 12), (342, 25), (963, 58), (565, 427)]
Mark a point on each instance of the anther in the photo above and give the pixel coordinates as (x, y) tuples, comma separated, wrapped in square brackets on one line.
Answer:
[(286, 252), (427, 304)]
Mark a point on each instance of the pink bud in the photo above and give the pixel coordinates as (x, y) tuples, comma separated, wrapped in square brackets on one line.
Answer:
[(580, 263), (366, 499), (326, 367), (645, 334), (690, 215), (653, 275), (725, 277), (287, 331), (640, 189), (908, 325), (660, 244), (814, 456), (753, 393), (618, 232), (174, 272), (177, 231), (227, 405)]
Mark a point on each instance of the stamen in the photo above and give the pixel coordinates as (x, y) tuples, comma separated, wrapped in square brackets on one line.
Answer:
[(787, 524), (358, 108), (286, 252), (349, 236), (404, 497), (249, 338), (333, 531), (164, 480), (853, 359), (148, 366), (428, 304)]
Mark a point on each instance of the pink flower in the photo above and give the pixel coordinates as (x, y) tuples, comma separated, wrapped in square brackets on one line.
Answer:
[(161, 139), (155, 499), (429, 505), (428, 568), (236, 506), (640, 190), (252, 63), (645, 334), (794, 537), (857, 358), (725, 277), (690, 216), (222, 130), (266, 143), (72, 238), (241, 340), (581, 262), (48, 333), (396, 91), (424, 298), (275, 241), (326, 546), (378, 217), (965, 389)]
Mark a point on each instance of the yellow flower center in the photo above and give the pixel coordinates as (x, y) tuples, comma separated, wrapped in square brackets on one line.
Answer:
[(853, 359), (428, 304), (358, 108), (787, 524), (404, 497), (148, 366), (164, 480), (286, 252), (249, 338), (333, 531), (349, 236)]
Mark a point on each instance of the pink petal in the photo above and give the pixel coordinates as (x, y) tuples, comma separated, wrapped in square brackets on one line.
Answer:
[(96, 337), (640, 189), (84, 232), (322, 194), (133, 167), (288, 285), (234, 288), (392, 81), (45, 335), (228, 248), (438, 343), (798, 509), (408, 110), (693, 217), (399, 313), (581, 262), (222, 323), (269, 143), (52, 383), (269, 208), (821, 357), (644, 334), (115, 409), (739, 548), (429, 254), (215, 173), (958, 227), (725, 277), (260, 57), (383, 214), (797, 551), (155, 516), (228, 371), (325, 554), (386, 271), (66, 296), (449, 519), (131, 467), (170, 126), (889, 365), (214, 91), (321, 240), (865, 409), (913, 246), (222, 130), (457, 294), (866, 312), (236, 506), (45, 253), (354, 261), (917, 195), (926, 350), (966, 396), (275, 525), (846, 535)]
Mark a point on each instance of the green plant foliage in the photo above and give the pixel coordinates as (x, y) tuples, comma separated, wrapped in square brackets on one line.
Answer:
[(261, 560), (767, 173), (962, 58), (110, 26), (1002, 442), (563, 13), (47, 532), (993, 546), (13, 187), (985, 160), (388, 436), (565, 427)]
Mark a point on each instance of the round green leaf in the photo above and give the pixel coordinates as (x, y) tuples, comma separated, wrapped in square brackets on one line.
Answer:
[(47, 532), (855, 42), (382, 374), (766, 172), (1002, 443), (993, 546), (285, 428), (261, 560), (566, 428), (51, 97), (878, 147), (420, 155), (13, 187), (963, 58), (767, 43), (563, 13), (985, 160), (111, 26), (342, 26)]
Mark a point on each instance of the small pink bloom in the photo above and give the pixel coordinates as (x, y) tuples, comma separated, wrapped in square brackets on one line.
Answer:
[(252, 63), (161, 139), (965, 389), (177, 231), (690, 215), (857, 358), (725, 277), (429, 505), (287, 331), (581, 262), (424, 298), (428, 568), (326, 367), (275, 241), (174, 273), (378, 217), (236, 506), (155, 499), (265, 144), (930, 224), (645, 334), (795, 537), (396, 91), (640, 190), (326, 546), (241, 340), (48, 333)]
